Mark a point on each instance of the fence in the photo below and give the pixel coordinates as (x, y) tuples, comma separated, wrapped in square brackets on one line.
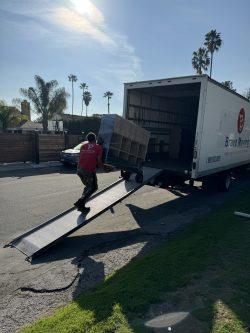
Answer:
[(35, 147)]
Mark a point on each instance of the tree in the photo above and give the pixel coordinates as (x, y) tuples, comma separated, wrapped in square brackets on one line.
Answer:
[(8, 116), (228, 85), (213, 43), (16, 102), (87, 97), (46, 98), (200, 60), (84, 88), (108, 94), (82, 125), (72, 78)]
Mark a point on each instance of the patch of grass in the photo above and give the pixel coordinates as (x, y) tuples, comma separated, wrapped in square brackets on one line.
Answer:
[(225, 320), (218, 240)]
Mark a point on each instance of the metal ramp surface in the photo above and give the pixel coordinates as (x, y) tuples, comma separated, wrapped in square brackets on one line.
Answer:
[(36, 240)]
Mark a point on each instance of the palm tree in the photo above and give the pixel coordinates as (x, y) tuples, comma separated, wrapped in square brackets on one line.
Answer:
[(72, 78), (84, 88), (200, 60), (8, 116), (46, 98), (228, 85), (87, 97), (108, 94), (213, 42)]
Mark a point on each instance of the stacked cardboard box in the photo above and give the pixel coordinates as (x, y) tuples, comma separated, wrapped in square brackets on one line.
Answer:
[(122, 140)]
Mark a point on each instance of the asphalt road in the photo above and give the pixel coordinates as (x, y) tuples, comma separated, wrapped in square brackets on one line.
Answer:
[(28, 198)]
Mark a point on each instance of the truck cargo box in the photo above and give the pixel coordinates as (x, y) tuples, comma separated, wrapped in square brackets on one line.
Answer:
[(198, 127)]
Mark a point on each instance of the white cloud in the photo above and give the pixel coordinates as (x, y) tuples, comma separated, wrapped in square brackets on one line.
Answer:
[(82, 18), (86, 7), (79, 24), (74, 21), (76, 29)]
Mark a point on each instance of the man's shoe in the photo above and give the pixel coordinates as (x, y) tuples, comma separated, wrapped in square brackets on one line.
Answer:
[(79, 203), (76, 204), (84, 210)]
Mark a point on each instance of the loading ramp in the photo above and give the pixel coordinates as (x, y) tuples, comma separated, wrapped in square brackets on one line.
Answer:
[(36, 240)]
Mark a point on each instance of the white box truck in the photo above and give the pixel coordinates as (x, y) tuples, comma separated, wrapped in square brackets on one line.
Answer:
[(199, 128)]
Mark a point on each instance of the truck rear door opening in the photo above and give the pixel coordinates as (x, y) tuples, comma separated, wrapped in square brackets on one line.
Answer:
[(169, 112)]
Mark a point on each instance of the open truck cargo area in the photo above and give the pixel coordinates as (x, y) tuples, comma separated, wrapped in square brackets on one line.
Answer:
[(198, 127)]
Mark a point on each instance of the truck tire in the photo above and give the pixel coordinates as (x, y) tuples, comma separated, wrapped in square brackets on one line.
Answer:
[(125, 175), (139, 178), (224, 181)]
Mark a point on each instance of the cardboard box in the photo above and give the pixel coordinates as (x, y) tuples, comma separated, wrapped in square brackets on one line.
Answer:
[(123, 141)]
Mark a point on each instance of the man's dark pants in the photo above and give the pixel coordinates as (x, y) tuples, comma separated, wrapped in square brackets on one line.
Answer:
[(89, 180)]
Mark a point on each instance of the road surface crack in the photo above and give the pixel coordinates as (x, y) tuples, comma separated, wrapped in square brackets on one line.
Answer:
[(48, 291)]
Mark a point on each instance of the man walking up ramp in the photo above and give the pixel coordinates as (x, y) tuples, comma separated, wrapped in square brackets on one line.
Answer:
[(34, 241), (90, 157)]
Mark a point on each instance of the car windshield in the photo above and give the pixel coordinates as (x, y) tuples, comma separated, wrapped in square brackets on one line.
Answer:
[(78, 147)]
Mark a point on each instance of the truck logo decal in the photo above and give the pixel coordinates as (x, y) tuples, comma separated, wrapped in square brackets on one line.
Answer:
[(241, 120), (238, 142)]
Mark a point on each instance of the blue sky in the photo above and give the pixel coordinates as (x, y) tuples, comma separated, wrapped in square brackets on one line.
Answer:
[(109, 42)]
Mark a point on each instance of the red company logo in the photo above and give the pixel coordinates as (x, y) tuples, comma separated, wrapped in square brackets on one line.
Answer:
[(241, 120)]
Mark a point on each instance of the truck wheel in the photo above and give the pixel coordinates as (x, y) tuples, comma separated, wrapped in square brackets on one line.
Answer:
[(224, 182), (139, 178), (125, 175)]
